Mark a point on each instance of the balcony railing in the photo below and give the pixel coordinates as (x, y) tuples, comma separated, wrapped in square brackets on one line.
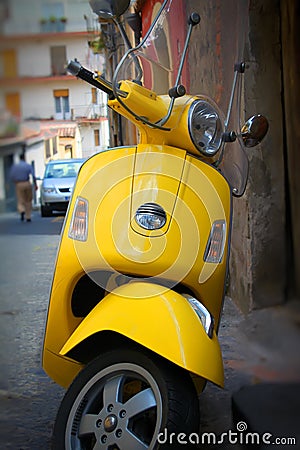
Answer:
[(53, 25)]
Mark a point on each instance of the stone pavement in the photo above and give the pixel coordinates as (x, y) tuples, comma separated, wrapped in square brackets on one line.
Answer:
[(262, 373), (259, 350)]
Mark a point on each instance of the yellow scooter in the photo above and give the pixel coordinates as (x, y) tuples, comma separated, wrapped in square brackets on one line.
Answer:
[(141, 268)]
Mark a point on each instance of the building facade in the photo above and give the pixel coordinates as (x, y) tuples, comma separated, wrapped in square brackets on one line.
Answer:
[(63, 117)]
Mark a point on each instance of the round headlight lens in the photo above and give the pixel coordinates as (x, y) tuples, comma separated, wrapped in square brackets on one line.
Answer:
[(150, 216), (205, 127)]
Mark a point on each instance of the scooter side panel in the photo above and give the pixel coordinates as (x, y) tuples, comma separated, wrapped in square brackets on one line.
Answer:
[(158, 319), (99, 174), (62, 370), (206, 193)]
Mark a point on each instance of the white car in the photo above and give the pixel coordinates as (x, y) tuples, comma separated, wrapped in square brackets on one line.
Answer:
[(57, 185)]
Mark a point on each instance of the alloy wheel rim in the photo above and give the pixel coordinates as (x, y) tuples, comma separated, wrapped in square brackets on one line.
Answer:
[(106, 415)]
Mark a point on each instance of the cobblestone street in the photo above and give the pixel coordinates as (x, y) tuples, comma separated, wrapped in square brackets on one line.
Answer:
[(262, 347), (28, 398)]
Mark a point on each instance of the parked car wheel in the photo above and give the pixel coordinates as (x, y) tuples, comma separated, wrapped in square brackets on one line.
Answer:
[(123, 400), (45, 212)]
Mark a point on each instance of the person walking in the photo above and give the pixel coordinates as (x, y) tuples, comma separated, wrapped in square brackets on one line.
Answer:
[(21, 174)]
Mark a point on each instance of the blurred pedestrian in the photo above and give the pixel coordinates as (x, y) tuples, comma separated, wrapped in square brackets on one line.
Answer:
[(22, 175)]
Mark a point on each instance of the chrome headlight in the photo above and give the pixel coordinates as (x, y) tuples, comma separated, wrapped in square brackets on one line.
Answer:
[(206, 127), (150, 216)]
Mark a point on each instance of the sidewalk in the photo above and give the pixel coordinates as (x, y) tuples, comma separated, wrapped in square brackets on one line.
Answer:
[(261, 353)]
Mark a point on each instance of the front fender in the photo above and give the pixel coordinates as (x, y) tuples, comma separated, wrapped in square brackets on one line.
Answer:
[(158, 319)]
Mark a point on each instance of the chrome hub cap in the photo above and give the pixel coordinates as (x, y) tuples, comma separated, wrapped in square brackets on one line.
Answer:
[(110, 423)]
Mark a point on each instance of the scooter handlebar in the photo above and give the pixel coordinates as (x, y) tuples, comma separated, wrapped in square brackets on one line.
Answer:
[(75, 68)]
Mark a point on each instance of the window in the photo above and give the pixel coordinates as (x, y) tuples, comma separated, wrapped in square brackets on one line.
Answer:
[(55, 9), (94, 96), (51, 147), (68, 151), (62, 105), (65, 169), (54, 146), (97, 138), (9, 63), (58, 59), (12, 103), (47, 148)]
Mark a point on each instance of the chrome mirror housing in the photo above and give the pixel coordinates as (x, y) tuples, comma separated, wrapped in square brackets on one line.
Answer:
[(254, 130), (109, 9)]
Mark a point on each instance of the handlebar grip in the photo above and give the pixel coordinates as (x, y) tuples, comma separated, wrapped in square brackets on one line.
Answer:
[(76, 69)]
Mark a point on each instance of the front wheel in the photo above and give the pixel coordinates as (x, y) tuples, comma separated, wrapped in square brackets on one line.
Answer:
[(125, 400)]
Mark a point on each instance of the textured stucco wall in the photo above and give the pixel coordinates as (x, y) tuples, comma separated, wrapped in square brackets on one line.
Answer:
[(266, 194), (257, 266), (290, 13)]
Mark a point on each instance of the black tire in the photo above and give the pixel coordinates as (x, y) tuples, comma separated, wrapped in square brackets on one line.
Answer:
[(122, 400), (45, 212)]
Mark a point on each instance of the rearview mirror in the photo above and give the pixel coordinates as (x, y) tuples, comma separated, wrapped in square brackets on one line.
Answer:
[(254, 130), (109, 9)]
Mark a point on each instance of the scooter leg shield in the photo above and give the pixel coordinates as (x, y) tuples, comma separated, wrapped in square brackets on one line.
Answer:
[(160, 320)]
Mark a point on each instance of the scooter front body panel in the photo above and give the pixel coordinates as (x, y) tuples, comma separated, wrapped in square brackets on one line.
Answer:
[(115, 183), (145, 313)]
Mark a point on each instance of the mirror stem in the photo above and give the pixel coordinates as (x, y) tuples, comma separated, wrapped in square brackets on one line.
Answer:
[(139, 72), (239, 68), (193, 20)]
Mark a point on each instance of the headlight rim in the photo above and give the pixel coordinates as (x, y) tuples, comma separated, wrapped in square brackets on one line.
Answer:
[(220, 119)]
